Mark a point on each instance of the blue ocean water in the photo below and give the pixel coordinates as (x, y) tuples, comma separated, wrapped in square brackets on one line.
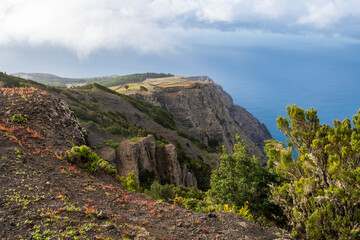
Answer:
[(265, 84)]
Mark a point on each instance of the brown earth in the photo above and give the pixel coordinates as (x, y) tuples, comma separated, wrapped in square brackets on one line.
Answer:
[(43, 196)]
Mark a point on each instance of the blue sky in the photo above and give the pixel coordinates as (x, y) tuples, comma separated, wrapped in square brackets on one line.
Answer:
[(262, 51)]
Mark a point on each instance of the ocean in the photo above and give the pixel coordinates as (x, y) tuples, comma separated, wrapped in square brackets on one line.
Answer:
[(266, 84)]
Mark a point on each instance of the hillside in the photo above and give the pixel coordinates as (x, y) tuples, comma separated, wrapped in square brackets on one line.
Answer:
[(44, 196)]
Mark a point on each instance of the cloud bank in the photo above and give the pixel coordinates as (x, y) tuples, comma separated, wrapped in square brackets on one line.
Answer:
[(158, 26)]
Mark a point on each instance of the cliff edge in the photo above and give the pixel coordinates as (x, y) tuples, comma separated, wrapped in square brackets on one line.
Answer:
[(203, 110)]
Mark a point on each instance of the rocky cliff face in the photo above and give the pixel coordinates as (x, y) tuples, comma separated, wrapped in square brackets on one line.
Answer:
[(169, 168), (136, 156), (144, 155), (251, 126), (204, 110)]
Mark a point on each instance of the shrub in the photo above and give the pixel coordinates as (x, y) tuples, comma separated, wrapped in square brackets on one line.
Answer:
[(132, 183), (142, 88), (321, 195), (89, 160), (19, 118), (193, 204), (160, 192), (188, 192), (121, 179), (239, 179), (178, 201)]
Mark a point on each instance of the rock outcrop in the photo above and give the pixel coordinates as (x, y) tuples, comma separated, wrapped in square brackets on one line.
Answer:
[(143, 154), (59, 116), (136, 156), (204, 110)]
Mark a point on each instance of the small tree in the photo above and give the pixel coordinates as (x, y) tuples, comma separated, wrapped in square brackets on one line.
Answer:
[(239, 179), (322, 192), (142, 88), (132, 183)]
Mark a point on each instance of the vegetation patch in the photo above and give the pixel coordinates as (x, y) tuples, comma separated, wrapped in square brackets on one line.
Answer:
[(320, 196), (158, 114), (142, 88), (19, 118), (89, 160), (111, 143), (240, 180)]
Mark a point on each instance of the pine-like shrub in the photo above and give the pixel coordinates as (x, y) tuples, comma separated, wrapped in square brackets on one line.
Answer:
[(321, 195)]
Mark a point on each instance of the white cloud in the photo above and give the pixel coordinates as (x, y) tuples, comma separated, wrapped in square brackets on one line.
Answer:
[(157, 26)]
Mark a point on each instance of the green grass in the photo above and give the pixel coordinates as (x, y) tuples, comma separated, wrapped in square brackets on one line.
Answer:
[(134, 139), (111, 143)]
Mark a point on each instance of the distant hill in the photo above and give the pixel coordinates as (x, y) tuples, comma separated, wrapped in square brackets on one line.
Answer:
[(108, 81)]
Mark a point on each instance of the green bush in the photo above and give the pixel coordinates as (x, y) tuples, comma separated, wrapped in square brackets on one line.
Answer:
[(321, 195), (193, 204), (179, 201), (161, 192), (132, 183), (89, 160), (19, 118), (142, 88), (188, 192), (239, 179)]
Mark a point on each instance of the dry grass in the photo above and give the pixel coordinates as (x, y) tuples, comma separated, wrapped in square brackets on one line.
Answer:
[(150, 83)]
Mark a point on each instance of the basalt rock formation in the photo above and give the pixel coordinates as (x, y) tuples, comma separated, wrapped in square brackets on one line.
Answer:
[(144, 155)]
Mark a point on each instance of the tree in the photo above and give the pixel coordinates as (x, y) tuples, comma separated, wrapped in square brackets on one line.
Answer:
[(132, 183), (142, 88), (239, 179), (321, 195)]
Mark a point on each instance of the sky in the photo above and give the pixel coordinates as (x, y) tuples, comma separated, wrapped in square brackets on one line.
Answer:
[(266, 53)]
